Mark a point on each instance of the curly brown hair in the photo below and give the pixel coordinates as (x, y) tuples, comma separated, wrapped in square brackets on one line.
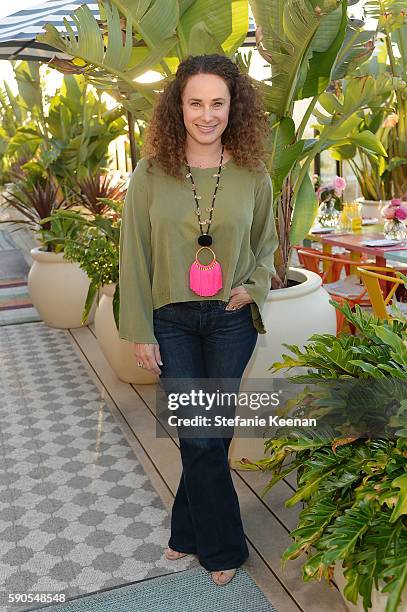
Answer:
[(248, 125)]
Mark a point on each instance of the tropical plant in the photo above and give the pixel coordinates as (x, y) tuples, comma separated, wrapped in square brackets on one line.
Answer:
[(352, 483), (308, 45), (95, 247), (92, 191), (382, 175), (68, 133), (134, 38), (36, 200)]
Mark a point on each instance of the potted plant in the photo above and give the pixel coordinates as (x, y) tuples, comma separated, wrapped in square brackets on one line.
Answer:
[(294, 51), (57, 287), (382, 175), (351, 469), (96, 251)]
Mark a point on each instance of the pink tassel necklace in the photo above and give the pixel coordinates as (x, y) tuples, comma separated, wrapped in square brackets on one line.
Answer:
[(205, 280)]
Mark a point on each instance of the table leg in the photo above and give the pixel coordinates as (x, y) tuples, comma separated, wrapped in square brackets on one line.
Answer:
[(356, 257)]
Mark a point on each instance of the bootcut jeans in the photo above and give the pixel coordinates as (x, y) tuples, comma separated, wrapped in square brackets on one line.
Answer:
[(200, 339)]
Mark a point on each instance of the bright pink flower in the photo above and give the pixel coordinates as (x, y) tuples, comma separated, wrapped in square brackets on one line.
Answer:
[(339, 183), (388, 211), (396, 201), (401, 213)]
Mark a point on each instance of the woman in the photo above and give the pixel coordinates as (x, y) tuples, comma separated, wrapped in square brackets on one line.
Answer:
[(196, 261)]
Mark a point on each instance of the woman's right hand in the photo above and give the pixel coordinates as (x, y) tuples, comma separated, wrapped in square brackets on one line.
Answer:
[(149, 356)]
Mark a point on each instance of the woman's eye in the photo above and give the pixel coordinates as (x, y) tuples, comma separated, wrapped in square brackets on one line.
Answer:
[(216, 103)]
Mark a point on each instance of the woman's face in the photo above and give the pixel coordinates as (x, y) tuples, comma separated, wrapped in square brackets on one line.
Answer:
[(205, 103)]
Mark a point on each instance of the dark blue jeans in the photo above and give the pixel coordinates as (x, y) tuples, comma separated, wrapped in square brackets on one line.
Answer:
[(200, 339)]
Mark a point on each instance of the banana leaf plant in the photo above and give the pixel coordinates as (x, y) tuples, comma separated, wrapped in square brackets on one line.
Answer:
[(384, 176), (150, 35), (352, 487), (70, 135), (308, 44)]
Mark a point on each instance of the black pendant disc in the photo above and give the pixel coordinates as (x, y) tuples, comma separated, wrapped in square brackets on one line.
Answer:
[(205, 240)]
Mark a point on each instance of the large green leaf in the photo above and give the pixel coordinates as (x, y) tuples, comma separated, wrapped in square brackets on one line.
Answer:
[(28, 81), (323, 51), (226, 20), (285, 37), (202, 41), (401, 505), (305, 211), (356, 49), (284, 151)]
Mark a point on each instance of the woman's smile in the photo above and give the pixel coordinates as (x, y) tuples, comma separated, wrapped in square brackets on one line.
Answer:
[(206, 129)]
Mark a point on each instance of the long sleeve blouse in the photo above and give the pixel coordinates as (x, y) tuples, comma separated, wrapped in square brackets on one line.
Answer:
[(158, 241)]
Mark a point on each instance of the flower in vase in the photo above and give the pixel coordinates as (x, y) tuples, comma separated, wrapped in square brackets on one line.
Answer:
[(339, 185), (395, 210), (387, 211), (400, 213)]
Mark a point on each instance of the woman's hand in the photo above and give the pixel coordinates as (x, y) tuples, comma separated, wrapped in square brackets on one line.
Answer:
[(149, 356), (238, 298)]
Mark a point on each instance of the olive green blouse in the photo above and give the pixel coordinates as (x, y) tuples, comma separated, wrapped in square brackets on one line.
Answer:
[(158, 241)]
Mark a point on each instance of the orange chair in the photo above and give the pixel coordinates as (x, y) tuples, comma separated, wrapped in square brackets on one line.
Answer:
[(381, 293), (345, 255), (341, 288)]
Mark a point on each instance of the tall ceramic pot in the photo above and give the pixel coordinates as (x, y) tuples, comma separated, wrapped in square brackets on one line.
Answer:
[(119, 353), (291, 316), (58, 289)]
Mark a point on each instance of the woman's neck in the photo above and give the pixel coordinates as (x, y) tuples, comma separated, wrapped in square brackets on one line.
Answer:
[(205, 155)]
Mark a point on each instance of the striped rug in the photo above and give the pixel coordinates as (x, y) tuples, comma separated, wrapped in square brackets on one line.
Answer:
[(15, 303)]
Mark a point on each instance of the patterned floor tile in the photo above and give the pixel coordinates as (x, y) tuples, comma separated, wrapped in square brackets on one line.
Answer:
[(77, 511)]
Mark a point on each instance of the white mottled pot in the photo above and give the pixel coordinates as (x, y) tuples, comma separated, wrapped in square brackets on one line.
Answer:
[(119, 353), (371, 208), (58, 289), (379, 599), (291, 316)]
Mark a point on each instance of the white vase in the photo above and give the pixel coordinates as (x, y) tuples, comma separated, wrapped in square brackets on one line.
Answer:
[(58, 289), (379, 599), (291, 315), (119, 353)]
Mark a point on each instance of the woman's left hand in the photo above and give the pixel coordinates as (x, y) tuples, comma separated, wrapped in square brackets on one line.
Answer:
[(238, 297)]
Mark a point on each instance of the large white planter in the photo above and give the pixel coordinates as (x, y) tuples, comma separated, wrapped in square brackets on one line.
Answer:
[(58, 289), (291, 316), (379, 599), (119, 353)]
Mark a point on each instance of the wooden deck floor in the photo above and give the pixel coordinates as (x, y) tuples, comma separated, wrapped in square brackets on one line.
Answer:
[(267, 521)]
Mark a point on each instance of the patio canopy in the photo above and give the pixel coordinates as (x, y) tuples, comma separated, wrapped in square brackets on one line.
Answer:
[(18, 31)]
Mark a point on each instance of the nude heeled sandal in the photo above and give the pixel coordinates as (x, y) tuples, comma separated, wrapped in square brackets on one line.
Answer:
[(222, 577)]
